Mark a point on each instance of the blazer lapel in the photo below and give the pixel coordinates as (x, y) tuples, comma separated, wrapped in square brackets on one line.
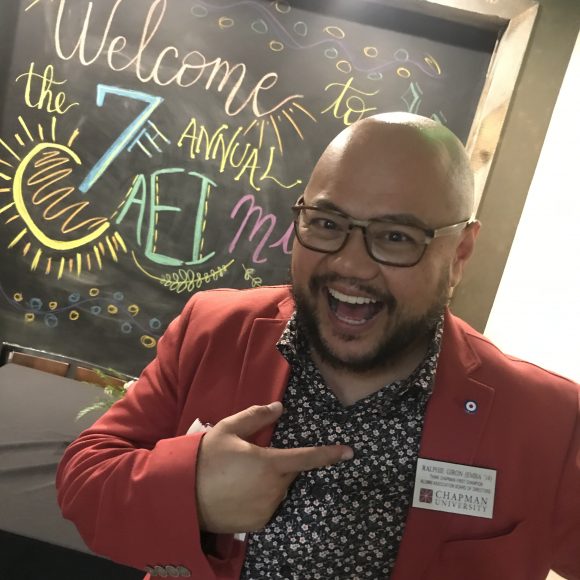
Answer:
[(459, 406), (265, 372), (455, 420)]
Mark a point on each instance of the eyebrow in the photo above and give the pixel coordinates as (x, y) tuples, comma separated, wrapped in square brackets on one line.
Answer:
[(406, 219)]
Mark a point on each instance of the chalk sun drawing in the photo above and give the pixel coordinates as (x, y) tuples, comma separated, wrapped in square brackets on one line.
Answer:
[(33, 171)]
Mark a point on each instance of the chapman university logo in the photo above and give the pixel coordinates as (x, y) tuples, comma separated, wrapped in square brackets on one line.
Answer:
[(449, 499)]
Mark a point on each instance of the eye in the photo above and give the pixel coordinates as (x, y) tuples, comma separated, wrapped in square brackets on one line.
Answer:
[(402, 237), (323, 223), (398, 235)]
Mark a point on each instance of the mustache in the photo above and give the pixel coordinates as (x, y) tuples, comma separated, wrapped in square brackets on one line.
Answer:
[(384, 296)]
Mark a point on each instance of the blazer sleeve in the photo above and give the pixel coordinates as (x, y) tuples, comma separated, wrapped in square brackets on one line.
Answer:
[(128, 482), (566, 559)]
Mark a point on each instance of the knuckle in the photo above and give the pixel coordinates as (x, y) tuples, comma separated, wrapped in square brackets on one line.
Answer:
[(250, 413), (232, 419), (221, 424)]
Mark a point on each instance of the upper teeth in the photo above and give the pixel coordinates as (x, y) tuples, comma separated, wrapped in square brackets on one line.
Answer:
[(351, 299)]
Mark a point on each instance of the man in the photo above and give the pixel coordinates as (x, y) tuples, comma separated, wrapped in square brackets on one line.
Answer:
[(406, 446)]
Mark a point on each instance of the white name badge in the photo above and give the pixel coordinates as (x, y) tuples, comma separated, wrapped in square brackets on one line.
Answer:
[(453, 488)]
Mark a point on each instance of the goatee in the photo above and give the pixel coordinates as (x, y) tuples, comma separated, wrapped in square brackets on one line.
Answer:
[(390, 347)]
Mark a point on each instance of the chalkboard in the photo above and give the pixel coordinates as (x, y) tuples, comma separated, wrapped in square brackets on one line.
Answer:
[(152, 149)]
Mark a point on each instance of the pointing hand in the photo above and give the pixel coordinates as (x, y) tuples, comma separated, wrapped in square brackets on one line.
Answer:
[(240, 485)]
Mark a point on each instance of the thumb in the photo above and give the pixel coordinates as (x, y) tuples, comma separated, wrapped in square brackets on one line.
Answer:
[(252, 419)]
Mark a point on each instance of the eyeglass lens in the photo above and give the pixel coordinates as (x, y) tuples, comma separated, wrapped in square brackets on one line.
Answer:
[(387, 242)]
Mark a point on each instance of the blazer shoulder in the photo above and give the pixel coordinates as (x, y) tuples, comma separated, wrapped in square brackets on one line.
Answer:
[(222, 319), (224, 303), (495, 362)]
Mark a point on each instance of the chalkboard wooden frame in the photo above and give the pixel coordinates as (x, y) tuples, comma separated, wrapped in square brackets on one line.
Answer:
[(8, 21), (513, 22)]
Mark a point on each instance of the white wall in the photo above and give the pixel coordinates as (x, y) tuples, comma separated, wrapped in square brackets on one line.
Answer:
[(536, 313)]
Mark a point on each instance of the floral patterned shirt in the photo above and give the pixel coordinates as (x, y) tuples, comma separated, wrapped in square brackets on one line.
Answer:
[(346, 520)]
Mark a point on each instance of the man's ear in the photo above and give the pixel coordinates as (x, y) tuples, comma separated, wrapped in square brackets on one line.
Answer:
[(463, 252)]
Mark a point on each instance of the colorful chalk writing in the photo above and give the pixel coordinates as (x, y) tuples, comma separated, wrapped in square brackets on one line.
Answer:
[(126, 136), (191, 67), (224, 147), (349, 105), (153, 149), (261, 219), (144, 195), (43, 97)]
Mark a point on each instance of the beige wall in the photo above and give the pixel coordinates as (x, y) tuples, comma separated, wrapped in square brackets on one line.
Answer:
[(536, 312), (527, 122)]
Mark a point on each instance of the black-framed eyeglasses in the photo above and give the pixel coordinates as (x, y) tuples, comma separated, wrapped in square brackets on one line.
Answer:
[(388, 242)]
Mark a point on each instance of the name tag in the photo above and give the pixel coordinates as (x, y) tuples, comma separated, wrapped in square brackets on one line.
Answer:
[(453, 488)]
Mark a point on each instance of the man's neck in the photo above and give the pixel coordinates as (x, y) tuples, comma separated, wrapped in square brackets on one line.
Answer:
[(350, 387)]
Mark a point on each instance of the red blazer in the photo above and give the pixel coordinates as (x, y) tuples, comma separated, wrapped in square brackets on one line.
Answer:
[(128, 482)]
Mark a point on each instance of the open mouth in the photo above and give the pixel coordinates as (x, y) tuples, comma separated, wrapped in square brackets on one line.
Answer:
[(351, 309)]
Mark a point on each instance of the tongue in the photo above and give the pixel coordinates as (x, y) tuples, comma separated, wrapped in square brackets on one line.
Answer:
[(357, 312)]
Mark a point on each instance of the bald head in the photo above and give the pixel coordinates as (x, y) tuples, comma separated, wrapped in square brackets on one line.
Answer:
[(403, 188), (413, 143)]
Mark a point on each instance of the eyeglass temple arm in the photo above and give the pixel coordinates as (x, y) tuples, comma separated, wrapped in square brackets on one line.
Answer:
[(452, 228)]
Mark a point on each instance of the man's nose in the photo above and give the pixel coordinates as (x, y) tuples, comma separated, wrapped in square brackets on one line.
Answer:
[(354, 261)]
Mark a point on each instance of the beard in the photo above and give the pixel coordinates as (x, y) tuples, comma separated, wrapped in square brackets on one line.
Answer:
[(390, 346)]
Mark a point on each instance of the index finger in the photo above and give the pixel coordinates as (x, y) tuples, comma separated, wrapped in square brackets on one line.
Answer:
[(293, 461)]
